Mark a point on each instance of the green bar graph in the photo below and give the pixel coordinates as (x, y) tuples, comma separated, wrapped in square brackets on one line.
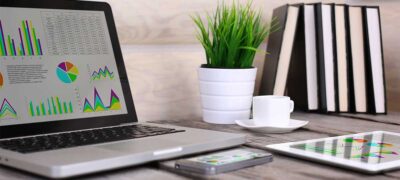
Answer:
[(70, 108), (32, 111), (2, 41), (37, 111), (65, 107), (10, 48), (59, 105), (54, 106), (19, 51), (50, 106), (2, 48), (36, 40), (26, 38), (43, 109)]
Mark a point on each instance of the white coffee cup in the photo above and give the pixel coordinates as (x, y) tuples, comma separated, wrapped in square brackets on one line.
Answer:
[(272, 110)]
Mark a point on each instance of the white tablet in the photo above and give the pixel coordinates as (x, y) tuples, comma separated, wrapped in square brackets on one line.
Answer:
[(371, 152)]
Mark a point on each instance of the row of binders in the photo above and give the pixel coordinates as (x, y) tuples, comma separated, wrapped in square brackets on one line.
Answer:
[(327, 58)]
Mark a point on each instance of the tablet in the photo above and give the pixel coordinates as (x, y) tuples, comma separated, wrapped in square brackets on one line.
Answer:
[(371, 152)]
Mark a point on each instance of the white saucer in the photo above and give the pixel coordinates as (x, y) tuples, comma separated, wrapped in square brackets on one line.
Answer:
[(293, 124)]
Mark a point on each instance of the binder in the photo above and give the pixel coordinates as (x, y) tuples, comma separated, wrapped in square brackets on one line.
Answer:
[(336, 63), (303, 82), (374, 61), (280, 46), (357, 59), (342, 58), (326, 57)]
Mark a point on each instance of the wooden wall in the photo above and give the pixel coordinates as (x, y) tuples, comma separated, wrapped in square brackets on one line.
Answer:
[(169, 22), (162, 54)]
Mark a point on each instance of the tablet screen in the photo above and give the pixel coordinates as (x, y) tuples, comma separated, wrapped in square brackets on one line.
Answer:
[(373, 148)]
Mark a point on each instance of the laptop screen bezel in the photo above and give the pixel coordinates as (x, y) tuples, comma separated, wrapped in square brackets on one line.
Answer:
[(11, 131)]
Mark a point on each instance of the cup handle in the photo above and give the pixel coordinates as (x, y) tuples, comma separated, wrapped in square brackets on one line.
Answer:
[(291, 106)]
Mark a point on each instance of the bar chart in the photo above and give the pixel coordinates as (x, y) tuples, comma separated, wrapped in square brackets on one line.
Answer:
[(1, 80), (26, 44), (51, 106)]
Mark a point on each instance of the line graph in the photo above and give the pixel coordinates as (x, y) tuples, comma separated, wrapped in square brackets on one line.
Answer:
[(102, 73)]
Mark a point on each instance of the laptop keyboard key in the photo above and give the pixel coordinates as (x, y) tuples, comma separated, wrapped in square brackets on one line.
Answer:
[(81, 138)]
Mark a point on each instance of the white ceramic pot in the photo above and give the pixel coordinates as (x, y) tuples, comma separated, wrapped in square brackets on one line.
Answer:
[(226, 94)]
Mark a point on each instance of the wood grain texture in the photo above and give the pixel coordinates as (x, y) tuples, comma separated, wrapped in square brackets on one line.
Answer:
[(142, 172), (169, 22), (9, 173), (290, 168), (320, 125), (163, 80), (390, 118), (281, 168)]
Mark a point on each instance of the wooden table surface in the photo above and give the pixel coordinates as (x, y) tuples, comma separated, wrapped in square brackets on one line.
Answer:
[(282, 167)]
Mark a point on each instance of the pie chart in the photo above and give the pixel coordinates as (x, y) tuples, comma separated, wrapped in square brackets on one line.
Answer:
[(1, 80), (67, 72)]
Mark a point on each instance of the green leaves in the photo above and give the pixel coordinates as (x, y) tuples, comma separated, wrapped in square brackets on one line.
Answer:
[(231, 36)]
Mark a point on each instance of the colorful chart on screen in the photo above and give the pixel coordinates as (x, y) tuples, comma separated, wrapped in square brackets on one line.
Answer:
[(50, 106), (368, 149), (24, 42), (7, 110), (101, 74), (67, 72), (1, 80), (98, 105)]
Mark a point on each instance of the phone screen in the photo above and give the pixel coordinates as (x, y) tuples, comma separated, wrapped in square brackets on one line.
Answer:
[(227, 157)]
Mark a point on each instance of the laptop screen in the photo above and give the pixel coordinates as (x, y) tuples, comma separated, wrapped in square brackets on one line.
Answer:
[(56, 65)]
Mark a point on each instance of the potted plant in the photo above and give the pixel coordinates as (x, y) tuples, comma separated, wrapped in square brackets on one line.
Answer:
[(230, 38)]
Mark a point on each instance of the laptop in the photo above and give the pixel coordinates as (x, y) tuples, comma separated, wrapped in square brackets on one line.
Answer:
[(66, 107)]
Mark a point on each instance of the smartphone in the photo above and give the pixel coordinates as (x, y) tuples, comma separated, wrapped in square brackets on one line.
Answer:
[(224, 161)]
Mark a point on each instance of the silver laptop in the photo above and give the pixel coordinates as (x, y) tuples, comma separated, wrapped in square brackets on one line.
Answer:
[(65, 103)]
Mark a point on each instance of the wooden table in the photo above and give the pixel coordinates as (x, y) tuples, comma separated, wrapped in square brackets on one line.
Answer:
[(281, 168)]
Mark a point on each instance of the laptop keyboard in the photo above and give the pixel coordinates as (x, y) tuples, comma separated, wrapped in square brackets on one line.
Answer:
[(81, 138)]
